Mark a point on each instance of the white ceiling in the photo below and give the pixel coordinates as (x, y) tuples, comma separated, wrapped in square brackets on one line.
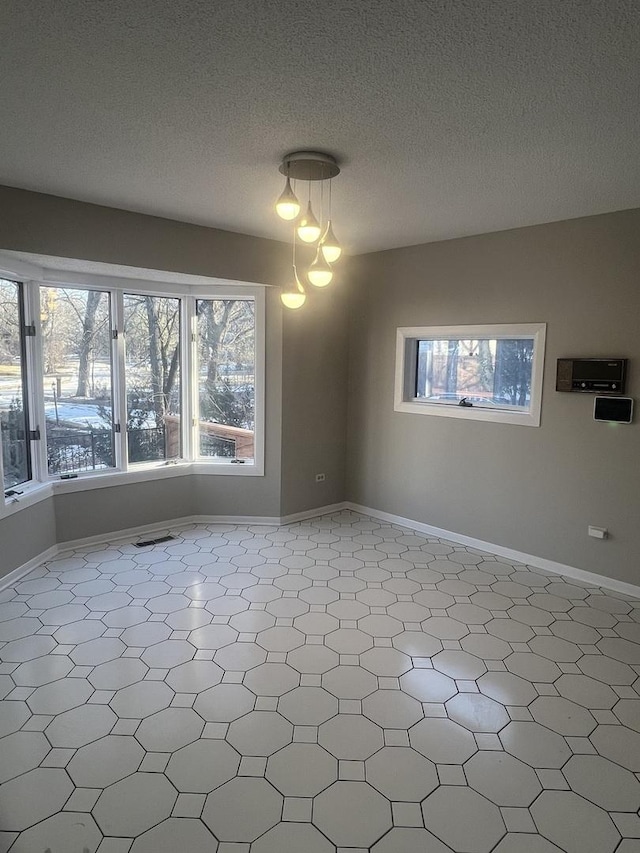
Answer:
[(450, 117)]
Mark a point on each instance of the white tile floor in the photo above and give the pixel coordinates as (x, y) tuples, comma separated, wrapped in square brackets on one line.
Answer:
[(338, 684)]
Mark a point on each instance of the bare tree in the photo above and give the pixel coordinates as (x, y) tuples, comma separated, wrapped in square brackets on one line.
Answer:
[(513, 370), (451, 382), (485, 364), (155, 359), (86, 341), (226, 329), (213, 333)]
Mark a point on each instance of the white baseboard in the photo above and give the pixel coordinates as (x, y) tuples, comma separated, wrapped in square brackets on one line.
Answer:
[(162, 527), (272, 520), (22, 571), (313, 513), (588, 578)]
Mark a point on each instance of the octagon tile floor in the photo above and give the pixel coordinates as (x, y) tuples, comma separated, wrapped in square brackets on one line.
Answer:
[(340, 684)]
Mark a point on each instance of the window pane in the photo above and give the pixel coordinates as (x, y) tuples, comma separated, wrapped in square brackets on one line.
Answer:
[(13, 400), (226, 378), (487, 372), (76, 343), (152, 371)]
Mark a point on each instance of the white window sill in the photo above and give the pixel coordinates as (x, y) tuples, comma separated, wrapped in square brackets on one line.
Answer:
[(242, 469), (35, 492), (32, 493), (468, 413)]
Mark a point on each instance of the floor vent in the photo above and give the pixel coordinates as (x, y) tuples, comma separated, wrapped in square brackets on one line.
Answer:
[(146, 542)]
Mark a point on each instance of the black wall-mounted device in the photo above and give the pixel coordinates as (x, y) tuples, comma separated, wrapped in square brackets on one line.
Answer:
[(592, 375), (618, 410)]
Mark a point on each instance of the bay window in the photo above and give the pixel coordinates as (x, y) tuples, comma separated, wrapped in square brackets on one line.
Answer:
[(104, 378)]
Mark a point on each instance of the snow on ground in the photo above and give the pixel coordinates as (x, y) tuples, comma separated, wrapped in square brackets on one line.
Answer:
[(83, 414)]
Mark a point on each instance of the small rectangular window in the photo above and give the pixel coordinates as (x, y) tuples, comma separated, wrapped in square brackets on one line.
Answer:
[(14, 417), (476, 372), (77, 379), (485, 372), (153, 377), (226, 402)]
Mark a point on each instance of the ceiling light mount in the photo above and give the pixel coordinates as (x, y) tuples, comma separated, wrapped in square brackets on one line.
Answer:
[(309, 166)]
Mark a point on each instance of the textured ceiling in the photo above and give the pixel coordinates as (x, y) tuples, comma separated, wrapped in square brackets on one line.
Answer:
[(450, 117)]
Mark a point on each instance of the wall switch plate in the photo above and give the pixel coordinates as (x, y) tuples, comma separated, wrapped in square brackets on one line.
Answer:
[(598, 532), (320, 478)]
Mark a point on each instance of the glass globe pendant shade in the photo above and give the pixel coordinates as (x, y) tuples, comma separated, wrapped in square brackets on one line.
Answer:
[(295, 297), (308, 227), (331, 249), (288, 206), (320, 273), (292, 299)]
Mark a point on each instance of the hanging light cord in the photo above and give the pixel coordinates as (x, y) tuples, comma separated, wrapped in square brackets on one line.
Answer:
[(295, 270)]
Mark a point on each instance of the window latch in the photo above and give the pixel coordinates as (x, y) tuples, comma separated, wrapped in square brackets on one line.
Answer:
[(30, 331), (116, 428), (34, 434), (465, 403)]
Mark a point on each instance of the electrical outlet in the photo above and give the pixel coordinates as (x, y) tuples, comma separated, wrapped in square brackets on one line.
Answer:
[(320, 478), (598, 532)]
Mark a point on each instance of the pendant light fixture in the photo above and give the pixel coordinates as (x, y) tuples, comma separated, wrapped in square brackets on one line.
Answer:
[(313, 167), (320, 272), (308, 227), (295, 297), (331, 249), (288, 206)]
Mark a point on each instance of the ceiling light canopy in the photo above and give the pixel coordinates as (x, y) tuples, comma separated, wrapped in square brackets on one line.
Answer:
[(317, 170)]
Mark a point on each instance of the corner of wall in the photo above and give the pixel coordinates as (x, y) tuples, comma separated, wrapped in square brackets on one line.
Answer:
[(314, 400)]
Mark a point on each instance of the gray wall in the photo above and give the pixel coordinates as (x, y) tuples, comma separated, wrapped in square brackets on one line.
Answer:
[(91, 513), (49, 225), (25, 534), (314, 389), (531, 489), (32, 222)]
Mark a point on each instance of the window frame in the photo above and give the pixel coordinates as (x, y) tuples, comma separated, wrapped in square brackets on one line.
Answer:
[(258, 387), (405, 400), (43, 484), (116, 412), (122, 385), (24, 315)]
